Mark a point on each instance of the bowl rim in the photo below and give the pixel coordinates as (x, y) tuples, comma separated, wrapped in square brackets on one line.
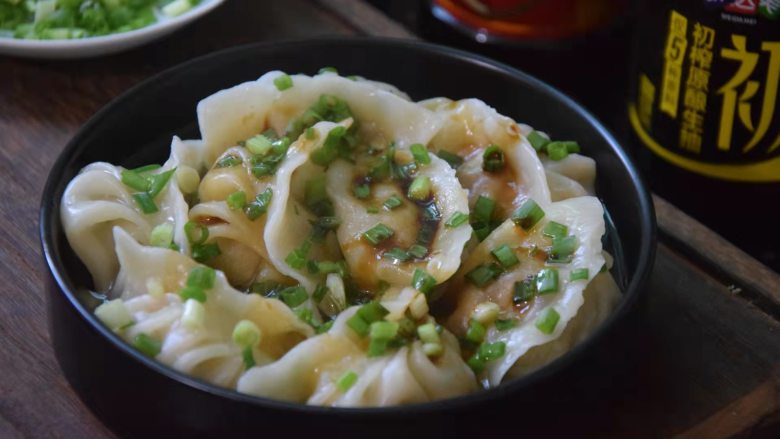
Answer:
[(49, 211)]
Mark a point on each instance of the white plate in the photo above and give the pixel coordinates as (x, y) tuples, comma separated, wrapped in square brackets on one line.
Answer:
[(94, 46)]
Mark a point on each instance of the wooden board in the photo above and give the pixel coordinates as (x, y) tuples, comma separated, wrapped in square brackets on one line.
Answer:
[(699, 359)]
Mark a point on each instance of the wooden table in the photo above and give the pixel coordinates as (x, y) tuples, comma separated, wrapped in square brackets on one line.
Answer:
[(701, 358)]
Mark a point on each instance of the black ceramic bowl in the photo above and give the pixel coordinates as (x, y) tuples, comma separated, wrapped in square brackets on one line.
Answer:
[(138, 396)]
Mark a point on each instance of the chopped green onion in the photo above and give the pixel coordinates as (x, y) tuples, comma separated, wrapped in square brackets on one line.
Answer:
[(476, 364), (524, 290), (133, 180), (194, 314), (457, 219), (310, 133), (505, 324), (202, 277), (527, 215), (383, 167), (420, 154), (423, 281), (493, 159), (505, 256), (267, 288), (392, 202), (579, 274), (563, 248), (383, 330), (306, 315), (377, 347), (378, 234), (406, 327), (297, 258), (283, 82), (329, 149), (547, 281), (196, 233), (145, 202), (147, 345), (428, 334), (372, 312), (236, 200), (177, 7), (159, 181), (315, 197), (359, 325), (362, 191), (571, 146), (481, 275), (483, 209), (246, 334), (258, 145), (204, 252), (486, 312), (259, 206), (319, 293), (420, 189), (418, 251), (114, 314), (372, 210), (146, 168), (396, 253), (228, 161), (432, 349), (547, 320), (476, 332), (248, 356), (162, 235), (346, 380), (293, 296), (537, 140), (328, 70), (453, 160), (195, 293), (491, 351), (553, 229), (325, 327), (557, 150)]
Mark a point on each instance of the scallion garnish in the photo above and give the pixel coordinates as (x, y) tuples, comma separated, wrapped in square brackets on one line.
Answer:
[(491, 351), (236, 200), (392, 202), (246, 334), (372, 312), (293, 296), (202, 277), (553, 229), (258, 145), (135, 181), (505, 324), (547, 320), (248, 357), (372, 210), (145, 202), (378, 234), (357, 324), (228, 161), (377, 347), (114, 314), (420, 189), (196, 233), (158, 182), (297, 258), (524, 290), (362, 191), (557, 150), (418, 251), (319, 293), (428, 333), (563, 248), (315, 197), (383, 330), (204, 252), (283, 82), (190, 292), (147, 345), (457, 219), (527, 215), (505, 256), (453, 160), (486, 312), (482, 216), (329, 149), (194, 315), (547, 281), (347, 380), (146, 168), (493, 159), (259, 206), (537, 140), (423, 281), (162, 235), (420, 154), (476, 332), (397, 254), (310, 133), (481, 275), (579, 274)]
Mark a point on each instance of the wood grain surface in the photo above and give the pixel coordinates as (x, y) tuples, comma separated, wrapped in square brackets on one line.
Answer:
[(700, 359)]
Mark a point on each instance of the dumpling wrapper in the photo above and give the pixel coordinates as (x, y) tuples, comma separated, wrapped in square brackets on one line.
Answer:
[(309, 371), (240, 112), (206, 352)]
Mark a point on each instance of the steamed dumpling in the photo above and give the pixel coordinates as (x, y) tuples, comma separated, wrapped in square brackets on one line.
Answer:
[(206, 350), (96, 200), (573, 176)]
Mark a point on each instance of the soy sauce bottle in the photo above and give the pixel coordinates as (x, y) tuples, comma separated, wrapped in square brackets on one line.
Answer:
[(704, 115)]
